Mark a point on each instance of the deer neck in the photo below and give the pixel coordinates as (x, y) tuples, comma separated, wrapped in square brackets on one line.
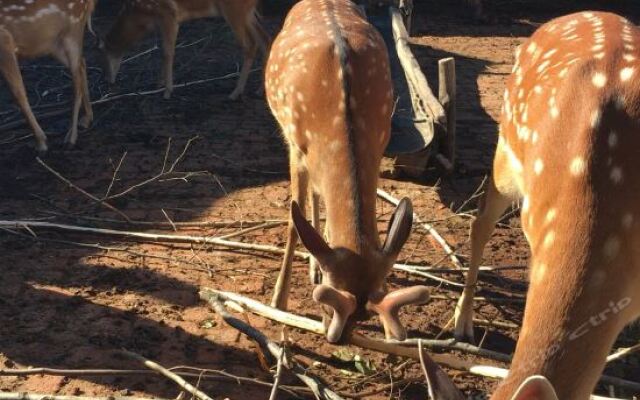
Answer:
[(351, 214), (569, 324)]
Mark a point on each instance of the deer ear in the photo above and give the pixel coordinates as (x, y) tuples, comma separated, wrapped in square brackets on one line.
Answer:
[(399, 228), (535, 388), (310, 237), (440, 385)]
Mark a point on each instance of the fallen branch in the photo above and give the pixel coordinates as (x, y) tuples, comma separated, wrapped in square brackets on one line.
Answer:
[(432, 231), (107, 99), (38, 396), (365, 342), (163, 171), (152, 237), (203, 374), (319, 389), (84, 192), (310, 325), (496, 324), (452, 344), (623, 353), (167, 225), (165, 372), (157, 237), (415, 271), (276, 380), (484, 299)]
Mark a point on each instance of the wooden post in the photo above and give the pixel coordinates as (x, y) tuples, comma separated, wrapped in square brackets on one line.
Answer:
[(407, 9), (447, 97)]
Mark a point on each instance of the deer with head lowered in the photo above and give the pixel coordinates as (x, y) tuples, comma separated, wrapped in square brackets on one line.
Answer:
[(31, 29), (568, 147), (138, 17), (328, 84)]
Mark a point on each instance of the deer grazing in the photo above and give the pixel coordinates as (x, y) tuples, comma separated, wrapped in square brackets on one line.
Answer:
[(30, 29), (138, 17), (568, 147), (328, 84)]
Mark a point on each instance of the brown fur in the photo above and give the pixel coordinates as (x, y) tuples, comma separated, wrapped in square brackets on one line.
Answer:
[(46, 27), (569, 139), (329, 86), (138, 17)]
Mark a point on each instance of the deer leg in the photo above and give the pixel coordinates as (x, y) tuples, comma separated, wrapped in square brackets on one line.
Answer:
[(87, 118), (314, 270), (492, 206), (11, 72), (299, 184), (70, 54), (249, 50), (169, 30)]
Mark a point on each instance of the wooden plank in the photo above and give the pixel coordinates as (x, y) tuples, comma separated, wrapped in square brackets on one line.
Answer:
[(422, 96), (447, 97)]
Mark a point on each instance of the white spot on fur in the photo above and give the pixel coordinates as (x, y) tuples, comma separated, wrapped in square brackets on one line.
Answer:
[(611, 247), (538, 166), (549, 238), (627, 220), (599, 79), (577, 166), (612, 139), (626, 73), (551, 215), (595, 118), (616, 175), (526, 204)]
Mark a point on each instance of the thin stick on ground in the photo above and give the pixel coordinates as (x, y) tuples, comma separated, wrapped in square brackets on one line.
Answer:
[(365, 342), (84, 192), (107, 99), (38, 396), (319, 389), (623, 353), (266, 225), (276, 380), (204, 374), (166, 225), (429, 228), (171, 375), (452, 344), (163, 172), (148, 237), (157, 237)]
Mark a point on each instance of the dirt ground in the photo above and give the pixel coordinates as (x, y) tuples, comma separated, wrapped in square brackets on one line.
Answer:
[(73, 301)]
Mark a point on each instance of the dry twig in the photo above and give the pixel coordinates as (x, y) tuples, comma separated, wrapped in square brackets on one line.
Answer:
[(623, 353), (319, 389), (372, 344), (276, 380), (84, 192), (171, 375), (149, 237), (38, 396)]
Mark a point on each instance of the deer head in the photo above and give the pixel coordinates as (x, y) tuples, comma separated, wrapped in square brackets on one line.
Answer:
[(354, 285)]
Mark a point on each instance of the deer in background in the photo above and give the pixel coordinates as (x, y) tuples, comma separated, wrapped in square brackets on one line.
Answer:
[(30, 29), (569, 148), (328, 84), (138, 17)]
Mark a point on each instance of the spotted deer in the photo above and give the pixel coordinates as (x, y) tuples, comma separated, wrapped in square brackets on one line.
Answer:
[(30, 29), (139, 17), (328, 84), (568, 147)]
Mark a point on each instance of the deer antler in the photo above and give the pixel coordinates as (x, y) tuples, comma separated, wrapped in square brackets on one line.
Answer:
[(388, 306), (343, 304)]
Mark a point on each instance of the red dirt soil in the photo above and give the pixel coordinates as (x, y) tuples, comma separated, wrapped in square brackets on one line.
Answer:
[(66, 303)]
